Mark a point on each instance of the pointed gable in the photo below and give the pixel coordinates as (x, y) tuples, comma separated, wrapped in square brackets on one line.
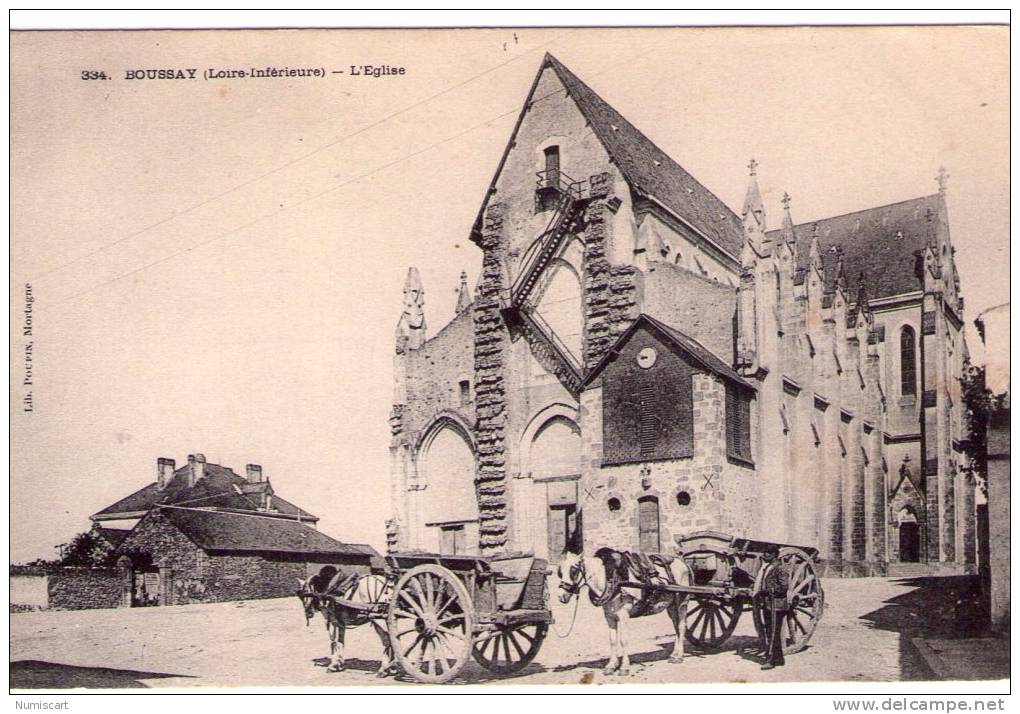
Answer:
[(693, 351), (647, 169)]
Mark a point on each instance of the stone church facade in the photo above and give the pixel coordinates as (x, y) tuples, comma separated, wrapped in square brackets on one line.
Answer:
[(638, 361)]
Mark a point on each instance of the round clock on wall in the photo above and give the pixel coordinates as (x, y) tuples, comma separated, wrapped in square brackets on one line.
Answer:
[(646, 357)]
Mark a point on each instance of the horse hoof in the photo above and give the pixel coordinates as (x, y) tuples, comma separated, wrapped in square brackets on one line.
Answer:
[(676, 660), (623, 671), (609, 671), (335, 668)]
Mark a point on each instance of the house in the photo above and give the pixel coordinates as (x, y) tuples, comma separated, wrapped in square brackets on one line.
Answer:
[(199, 484), (203, 533), (177, 555), (639, 361)]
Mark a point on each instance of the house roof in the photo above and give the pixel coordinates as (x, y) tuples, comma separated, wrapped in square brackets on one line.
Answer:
[(219, 487), (646, 167), (691, 347), (250, 532), (879, 242), (113, 536)]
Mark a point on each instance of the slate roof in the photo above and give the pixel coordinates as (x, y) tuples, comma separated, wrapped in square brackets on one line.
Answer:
[(113, 536), (690, 346), (246, 532), (646, 167), (650, 170), (215, 489), (879, 242)]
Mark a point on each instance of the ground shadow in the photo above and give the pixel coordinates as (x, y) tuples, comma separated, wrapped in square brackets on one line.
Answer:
[(941, 607), (34, 674)]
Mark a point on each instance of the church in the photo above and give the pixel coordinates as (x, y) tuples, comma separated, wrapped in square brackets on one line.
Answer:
[(638, 361)]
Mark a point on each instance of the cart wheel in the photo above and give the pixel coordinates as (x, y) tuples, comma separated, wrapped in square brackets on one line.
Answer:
[(430, 623), (806, 600), (710, 622), (511, 647)]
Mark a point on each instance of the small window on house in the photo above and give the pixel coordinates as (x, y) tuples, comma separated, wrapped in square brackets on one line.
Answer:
[(465, 391), (908, 362), (613, 504), (683, 498), (738, 424)]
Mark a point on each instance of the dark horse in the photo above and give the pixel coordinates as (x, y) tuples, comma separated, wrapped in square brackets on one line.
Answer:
[(356, 589)]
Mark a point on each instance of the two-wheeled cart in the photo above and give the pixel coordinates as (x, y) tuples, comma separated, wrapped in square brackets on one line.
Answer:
[(441, 610)]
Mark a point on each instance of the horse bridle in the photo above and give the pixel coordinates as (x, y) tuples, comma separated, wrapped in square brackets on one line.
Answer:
[(573, 587)]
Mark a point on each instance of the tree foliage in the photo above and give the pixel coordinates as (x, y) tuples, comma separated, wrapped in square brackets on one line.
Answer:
[(980, 407), (85, 550)]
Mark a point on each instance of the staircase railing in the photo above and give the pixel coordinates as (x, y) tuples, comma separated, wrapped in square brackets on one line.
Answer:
[(555, 343), (551, 239)]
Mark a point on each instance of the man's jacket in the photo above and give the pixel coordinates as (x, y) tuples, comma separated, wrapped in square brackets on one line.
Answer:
[(775, 586)]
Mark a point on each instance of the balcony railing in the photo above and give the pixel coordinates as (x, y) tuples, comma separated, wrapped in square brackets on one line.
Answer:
[(554, 180)]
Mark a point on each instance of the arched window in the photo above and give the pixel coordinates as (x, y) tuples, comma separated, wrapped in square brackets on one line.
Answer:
[(908, 361), (449, 468), (560, 306)]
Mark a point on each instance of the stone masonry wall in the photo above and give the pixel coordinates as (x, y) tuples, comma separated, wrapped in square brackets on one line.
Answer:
[(197, 576), (611, 292), (491, 343), (722, 495), (84, 588)]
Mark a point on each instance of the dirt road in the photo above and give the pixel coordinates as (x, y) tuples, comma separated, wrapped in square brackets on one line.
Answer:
[(864, 636)]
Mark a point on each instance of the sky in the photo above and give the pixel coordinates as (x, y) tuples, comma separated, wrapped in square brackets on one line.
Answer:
[(217, 265)]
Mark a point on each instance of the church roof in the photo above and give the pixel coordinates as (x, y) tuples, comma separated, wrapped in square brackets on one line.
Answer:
[(248, 532), (219, 487), (646, 167), (688, 345), (878, 242)]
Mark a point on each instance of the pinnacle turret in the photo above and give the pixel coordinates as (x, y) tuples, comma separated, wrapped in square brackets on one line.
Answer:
[(815, 256), (411, 326), (463, 295), (787, 232)]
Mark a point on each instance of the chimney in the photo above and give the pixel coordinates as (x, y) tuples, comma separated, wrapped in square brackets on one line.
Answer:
[(164, 471), (254, 473), (196, 468)]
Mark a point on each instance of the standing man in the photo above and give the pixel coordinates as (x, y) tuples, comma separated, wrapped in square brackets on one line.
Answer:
[(773, 592)]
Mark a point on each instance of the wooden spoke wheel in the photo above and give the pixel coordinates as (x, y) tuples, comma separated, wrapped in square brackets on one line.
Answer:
[(805, 598), (710, 622), (510, 648), (430, 623), (370, 590)]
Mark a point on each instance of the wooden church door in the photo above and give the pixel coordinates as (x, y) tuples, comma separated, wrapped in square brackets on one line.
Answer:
[(648, 525)]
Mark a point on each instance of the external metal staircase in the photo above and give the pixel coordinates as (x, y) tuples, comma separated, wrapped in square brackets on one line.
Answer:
[(566, 197)]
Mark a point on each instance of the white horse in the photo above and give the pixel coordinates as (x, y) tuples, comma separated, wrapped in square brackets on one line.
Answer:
[(602, 575), (360, 590)]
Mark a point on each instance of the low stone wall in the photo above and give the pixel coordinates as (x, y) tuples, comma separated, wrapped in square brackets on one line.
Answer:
[(85, 588)]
